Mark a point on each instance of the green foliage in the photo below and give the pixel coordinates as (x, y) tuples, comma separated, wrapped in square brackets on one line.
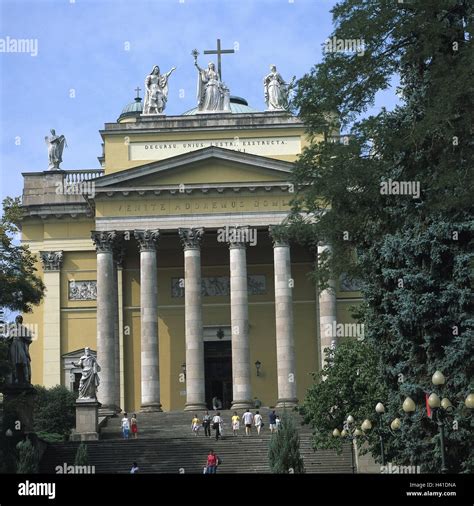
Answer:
[(20, 288), (28, 459), (50, 437), (54, 410), (284, 448), (413, 253), (351, 387), (81, 456), (5, 367)]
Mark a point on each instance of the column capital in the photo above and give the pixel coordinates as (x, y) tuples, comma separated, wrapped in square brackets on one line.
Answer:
[(191, 237), (147, 239), (104, 241), (52, 260), (118, 250), (237, 236), (280, 235)]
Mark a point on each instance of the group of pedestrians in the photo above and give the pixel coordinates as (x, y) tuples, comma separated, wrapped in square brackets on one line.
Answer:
[(249, 420), (208, 423), (128, 424)]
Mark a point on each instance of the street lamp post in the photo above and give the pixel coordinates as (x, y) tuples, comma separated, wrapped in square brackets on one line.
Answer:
[(435, 404), (351, 432), (380, 410)]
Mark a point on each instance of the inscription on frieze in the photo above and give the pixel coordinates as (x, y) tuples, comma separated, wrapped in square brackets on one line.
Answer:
[(218, 286), (194, 205), (264, 146)]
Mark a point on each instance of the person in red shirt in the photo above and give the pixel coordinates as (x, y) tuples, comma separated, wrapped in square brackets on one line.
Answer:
[(212, 462)]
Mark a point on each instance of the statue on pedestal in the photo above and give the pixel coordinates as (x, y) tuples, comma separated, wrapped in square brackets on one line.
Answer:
[(90, 377), (19, 344), (212, 94), (276, 90), (156, 91), (56, 145)]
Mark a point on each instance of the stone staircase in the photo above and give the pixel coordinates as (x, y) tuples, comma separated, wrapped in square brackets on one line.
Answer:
[(167, 445)]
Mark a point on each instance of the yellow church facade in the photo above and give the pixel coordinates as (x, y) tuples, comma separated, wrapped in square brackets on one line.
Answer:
[(165, 264)]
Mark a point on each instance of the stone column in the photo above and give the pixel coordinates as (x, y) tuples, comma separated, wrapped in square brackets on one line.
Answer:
[(150, 362), (239, 314), (118, 258), (104, 243), (286, 364), (121, 336), (327, 314), (52, 261), (195, 384)]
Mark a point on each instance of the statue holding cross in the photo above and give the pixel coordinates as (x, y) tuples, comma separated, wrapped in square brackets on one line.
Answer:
[(212, 94), (219, 52)]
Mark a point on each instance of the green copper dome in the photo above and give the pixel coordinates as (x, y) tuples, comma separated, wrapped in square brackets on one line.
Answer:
[(132, 110), (238, 105)]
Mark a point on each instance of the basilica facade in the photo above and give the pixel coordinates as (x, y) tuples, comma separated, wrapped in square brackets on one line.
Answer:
[(167, 263)]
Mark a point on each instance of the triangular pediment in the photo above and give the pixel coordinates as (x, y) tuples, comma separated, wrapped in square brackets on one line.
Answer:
[(212, 165)]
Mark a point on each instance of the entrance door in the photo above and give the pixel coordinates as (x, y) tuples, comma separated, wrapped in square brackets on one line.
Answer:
[(218, 372)]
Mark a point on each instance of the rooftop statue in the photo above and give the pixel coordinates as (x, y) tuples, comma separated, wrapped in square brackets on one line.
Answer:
[(56, 145), (277, 91), (212, 94), (156, 91)]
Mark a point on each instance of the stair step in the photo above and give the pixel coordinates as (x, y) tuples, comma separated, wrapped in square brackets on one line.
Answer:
[(166, 445)]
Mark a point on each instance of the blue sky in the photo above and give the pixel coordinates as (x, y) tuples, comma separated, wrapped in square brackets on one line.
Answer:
[(92, 54)]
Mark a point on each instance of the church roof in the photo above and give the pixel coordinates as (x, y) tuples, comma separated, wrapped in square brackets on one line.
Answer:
[(238, 105), (196, 156), (132, 110)]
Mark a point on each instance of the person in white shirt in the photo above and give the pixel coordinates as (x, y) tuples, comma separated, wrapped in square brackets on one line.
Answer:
[(134, 469), (247, 418), (258, 421), (217, 425), (125, 426)]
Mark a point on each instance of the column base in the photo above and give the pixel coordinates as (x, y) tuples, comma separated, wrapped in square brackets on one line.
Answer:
[(151, 407), (287, 403), (242, 404), (195, 406), (109, 410), (84, 436)]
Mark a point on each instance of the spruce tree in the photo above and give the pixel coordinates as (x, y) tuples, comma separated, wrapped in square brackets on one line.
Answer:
[(82, 458), (412, 252), (347, 385), (284, 448), (27, 458)]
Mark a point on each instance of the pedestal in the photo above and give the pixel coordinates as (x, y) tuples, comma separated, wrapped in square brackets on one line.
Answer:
[(86, 420)]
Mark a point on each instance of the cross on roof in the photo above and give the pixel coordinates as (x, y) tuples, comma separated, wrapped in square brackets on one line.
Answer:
[(219, 52), (138, 89)]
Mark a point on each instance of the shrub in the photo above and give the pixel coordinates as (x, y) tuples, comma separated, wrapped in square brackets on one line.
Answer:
[(54, 410), (27, 459), (81, 456), (284, 449)]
